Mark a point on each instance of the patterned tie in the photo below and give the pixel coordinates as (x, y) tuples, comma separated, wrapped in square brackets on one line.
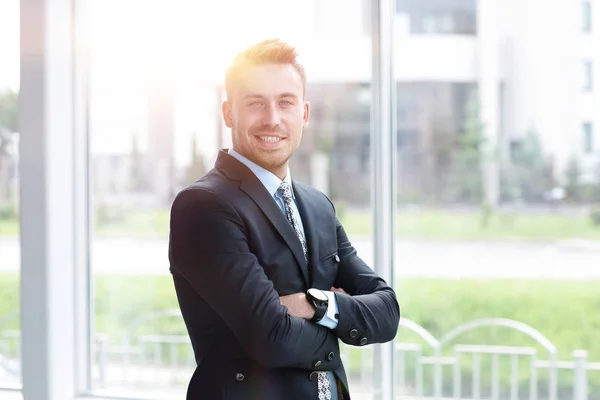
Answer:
[(286, 192)]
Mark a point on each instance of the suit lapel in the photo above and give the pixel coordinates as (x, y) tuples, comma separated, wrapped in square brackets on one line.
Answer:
[(252, 186), (309, 222), (267, 204)]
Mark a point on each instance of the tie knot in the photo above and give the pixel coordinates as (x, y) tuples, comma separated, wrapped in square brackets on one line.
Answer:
[(285, 190)]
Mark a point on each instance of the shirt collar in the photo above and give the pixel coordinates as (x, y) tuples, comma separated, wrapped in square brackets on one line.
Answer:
[(270, 181)]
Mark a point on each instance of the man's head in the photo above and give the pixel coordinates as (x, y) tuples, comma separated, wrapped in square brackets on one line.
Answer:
[(265, 106)]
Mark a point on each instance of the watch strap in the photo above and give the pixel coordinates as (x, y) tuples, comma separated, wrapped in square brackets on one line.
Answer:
[(320, 310)]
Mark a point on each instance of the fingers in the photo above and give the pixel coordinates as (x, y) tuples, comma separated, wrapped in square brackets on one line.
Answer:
[(338, 290)]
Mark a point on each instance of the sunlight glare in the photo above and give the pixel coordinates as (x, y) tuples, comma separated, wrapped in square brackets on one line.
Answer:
[(182, 41)]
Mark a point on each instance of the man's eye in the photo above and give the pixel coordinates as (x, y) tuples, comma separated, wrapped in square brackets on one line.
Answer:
[(255, 104), (286, 103)]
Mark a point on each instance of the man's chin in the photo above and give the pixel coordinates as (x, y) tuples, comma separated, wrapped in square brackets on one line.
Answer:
[(273, 163)]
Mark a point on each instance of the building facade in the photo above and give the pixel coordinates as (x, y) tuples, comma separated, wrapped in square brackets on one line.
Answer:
[(529, 66)]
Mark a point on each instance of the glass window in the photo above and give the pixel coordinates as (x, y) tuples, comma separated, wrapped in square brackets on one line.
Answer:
[(588, 75), (156, 127), (494, 227), (437, 17), (586, 16), (10, 374), (588, 138)]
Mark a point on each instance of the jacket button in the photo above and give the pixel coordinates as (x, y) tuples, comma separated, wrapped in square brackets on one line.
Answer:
[(313, 375), (239, 377), (330, 356), (363, 341), (353, 333), (317, 364), (337, 258)]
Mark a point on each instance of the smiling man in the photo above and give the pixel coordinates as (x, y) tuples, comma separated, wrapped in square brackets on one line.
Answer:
[(266, 278)]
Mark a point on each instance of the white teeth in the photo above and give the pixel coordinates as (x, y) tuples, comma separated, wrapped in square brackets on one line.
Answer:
[(270, 139)]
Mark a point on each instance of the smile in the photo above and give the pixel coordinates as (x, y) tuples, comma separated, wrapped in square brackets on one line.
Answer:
[(270, 139)]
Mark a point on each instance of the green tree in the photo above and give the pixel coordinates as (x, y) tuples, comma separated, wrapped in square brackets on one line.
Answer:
[(528, 173), (573, 181), (9, 114), (466, 179), (9, 118)]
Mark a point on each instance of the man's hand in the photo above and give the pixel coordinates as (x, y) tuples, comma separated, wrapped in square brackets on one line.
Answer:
[(338, 290), (297, 305)]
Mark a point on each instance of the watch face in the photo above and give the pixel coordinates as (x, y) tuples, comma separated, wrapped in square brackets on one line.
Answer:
[(317, 294)]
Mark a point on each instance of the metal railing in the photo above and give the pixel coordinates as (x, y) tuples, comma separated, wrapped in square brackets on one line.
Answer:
[(426, 368), (10, 353), (579, 367)]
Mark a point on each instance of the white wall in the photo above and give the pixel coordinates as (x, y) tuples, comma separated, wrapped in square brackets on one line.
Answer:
[(541, 68), (430, 58), (590, 102), (539, 51)]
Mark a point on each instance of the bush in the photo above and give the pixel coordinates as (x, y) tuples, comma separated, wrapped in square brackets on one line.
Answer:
[(340, 208), (595, 216), (8, 211), (106, 214)]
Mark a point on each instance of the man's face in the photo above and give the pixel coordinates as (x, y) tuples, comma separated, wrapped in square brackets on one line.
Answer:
[(266, 114)]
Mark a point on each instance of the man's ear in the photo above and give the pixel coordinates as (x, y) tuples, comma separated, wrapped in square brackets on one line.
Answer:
[(306, 116), (227, 113)]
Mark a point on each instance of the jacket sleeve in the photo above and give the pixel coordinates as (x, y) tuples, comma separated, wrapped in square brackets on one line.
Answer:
[(209, 248), (369, 313)]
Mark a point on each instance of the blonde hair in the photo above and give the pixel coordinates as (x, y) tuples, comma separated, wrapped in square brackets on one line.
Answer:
[(272, 51)]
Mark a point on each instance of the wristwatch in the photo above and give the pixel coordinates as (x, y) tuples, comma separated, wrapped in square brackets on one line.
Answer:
[(320, 301)]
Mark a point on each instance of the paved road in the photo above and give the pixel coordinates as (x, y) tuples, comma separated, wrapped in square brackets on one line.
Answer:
[(561, 260)]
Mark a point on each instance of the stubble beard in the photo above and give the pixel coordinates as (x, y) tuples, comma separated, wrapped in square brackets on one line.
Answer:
[(269, 160)]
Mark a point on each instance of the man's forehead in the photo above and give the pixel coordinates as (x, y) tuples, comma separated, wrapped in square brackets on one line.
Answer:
[(270, 80)]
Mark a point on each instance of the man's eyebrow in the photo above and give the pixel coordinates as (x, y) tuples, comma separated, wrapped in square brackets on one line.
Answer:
[(252, 96), (259, 96)]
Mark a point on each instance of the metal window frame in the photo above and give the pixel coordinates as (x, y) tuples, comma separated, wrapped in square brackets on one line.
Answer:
[(383, 173), (55, 280)]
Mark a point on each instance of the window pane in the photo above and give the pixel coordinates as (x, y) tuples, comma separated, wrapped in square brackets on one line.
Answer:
[(586, 16), (156, 127), (588, 76), (497, 243), (437, 17), (10, 374), (588, 138)]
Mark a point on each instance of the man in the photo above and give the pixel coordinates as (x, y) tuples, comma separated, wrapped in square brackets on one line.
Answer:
[(265, 276)]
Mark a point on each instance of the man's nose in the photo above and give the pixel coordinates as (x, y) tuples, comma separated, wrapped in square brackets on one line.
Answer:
[(271, 117)]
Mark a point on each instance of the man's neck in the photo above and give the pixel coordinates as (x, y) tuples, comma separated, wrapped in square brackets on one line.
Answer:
[(280, 172)]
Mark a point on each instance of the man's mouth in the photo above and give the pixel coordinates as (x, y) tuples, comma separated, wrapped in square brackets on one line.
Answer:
[(270, 139)]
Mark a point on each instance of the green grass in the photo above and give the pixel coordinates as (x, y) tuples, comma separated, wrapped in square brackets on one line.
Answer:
[(566, 312), (139, 224), (468, 226), (9, 228), (9, 296), (457, 226), (439, 225)]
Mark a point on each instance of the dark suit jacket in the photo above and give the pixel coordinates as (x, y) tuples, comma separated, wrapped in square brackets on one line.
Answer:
[(232, 254)]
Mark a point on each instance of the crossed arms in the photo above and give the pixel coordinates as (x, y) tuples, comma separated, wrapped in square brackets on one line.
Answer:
[(210, 250)]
